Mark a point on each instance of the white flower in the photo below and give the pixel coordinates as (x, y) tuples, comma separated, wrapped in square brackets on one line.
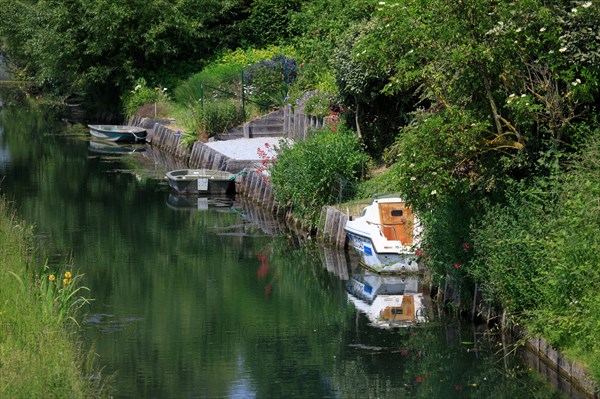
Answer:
[(381, 3), (512, 95), (434, 173), (573, 10), (413, 178), (543, 29), (562, 49), (434, 192), (574, 83), (523, 95), (586, 4), (412, 165), (164, 89), (551, 52), (578, 80), (518, 30), (137, 87)]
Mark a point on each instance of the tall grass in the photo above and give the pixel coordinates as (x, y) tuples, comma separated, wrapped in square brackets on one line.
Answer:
[(40, 355)]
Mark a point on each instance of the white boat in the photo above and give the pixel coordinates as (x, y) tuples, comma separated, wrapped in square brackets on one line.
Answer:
[(385, 236), (388, 301)]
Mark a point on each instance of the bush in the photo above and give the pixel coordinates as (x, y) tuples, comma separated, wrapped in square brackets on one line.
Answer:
[(142, 95), (569, 315), (268, 81), (211, 118), (212, 81), (308, 174)]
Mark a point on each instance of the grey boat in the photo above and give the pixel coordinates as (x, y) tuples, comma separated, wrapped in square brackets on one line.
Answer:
[(201, 181)]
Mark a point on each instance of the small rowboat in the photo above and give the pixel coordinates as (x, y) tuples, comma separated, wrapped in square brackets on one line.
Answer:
[(118, 133), (201, 181)]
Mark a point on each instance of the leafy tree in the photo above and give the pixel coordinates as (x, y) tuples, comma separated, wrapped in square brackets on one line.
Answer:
[(101, 47)]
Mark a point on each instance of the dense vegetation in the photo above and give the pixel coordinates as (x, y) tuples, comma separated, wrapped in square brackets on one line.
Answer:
[(37, 358), (485, 114)]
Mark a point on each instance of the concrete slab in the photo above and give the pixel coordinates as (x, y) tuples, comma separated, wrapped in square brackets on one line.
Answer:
[(246, 149)]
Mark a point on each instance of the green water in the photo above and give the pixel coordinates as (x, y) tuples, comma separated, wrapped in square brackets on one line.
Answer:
[(203, 303)]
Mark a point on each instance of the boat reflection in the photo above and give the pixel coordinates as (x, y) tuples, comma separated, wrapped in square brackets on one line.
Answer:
[(198, 202), (388, 300), (111, 148)]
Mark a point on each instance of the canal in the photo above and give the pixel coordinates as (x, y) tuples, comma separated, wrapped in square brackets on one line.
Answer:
[(212, 299)]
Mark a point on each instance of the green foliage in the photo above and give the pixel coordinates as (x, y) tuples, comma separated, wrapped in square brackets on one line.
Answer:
[(508, 258), (212, 117), (142, 95), (436, 157), (213, 81), (35, 345), (569, 316), (101, 46), (308, 174), (267, 82), (268, 21)]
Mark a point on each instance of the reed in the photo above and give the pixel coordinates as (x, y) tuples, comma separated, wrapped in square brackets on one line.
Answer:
[(40, 354)]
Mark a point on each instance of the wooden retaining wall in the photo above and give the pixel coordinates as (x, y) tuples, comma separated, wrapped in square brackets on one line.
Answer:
[(569, 376)]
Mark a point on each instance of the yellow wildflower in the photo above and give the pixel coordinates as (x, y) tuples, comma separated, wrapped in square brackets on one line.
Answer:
[(66, 281), (52, 277), (68, 275)]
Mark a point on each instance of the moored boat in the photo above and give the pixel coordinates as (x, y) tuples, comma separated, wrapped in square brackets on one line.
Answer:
[(385, 236), (118, 133), (201, 181)]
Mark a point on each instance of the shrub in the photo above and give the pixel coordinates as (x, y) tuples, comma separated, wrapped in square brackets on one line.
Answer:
[(268, 81), (313, 173), (142, 95), (215, 80), (210, 118)]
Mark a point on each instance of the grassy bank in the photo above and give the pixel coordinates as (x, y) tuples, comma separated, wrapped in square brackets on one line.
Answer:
[(39, 356)]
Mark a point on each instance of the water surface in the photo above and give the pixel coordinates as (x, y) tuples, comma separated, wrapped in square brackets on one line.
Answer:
[(195, 300)]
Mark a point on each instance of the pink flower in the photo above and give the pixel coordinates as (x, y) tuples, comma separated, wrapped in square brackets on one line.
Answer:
[(466, 245), (419, 253), (267, 145), (457, 265)]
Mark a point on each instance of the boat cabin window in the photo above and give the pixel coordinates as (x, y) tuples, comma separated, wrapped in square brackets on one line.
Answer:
[(396, 212)]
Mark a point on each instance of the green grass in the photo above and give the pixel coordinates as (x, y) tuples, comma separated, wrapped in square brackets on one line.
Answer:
[(40, 353)]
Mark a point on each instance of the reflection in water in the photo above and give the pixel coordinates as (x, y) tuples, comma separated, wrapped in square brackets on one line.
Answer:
[(111, 148), (198, 202), (388, 300)]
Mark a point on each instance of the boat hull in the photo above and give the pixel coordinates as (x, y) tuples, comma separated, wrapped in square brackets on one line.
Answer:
[(201, 181), (388, 262), (118, 133)]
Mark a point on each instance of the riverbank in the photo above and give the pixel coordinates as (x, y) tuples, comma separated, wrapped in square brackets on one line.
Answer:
[(40, 356), (553, 364)]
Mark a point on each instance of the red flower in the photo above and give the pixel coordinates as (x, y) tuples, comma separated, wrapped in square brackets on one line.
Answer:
[(267, 145), (457, 265), (466, 245), (419, 253), (404, 353), (419, 379)]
